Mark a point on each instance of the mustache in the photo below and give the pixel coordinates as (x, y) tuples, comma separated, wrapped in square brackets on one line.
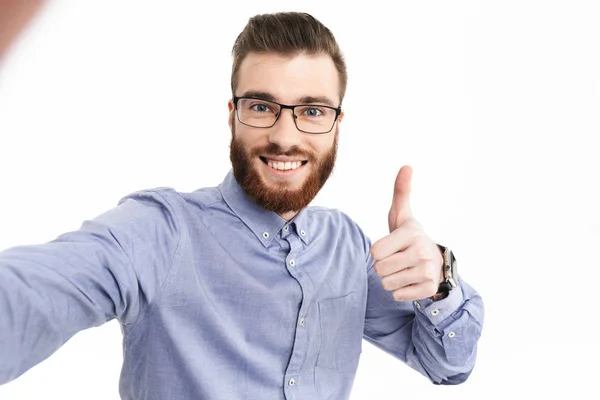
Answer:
[(273, 149)]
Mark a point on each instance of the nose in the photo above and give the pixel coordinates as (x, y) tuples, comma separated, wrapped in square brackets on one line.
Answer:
[(284, 133)]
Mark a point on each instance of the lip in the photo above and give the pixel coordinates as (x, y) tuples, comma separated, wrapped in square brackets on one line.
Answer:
[(283, 174), (283, 158)]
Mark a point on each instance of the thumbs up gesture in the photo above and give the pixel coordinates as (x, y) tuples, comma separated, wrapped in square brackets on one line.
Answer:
[(408, 261)]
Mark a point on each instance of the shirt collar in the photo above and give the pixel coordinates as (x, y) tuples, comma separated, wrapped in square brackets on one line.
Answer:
[(263, 223)]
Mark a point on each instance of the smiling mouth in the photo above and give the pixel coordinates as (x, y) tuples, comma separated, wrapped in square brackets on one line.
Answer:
[(283, 165)]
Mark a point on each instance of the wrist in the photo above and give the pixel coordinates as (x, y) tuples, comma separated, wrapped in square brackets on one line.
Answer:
[(448, 275), (440, 296)]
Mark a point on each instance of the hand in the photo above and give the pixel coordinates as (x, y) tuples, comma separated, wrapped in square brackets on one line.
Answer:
[(15, 15), (408, 261)]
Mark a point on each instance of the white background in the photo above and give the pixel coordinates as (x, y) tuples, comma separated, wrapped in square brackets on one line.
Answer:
[(494, 104)]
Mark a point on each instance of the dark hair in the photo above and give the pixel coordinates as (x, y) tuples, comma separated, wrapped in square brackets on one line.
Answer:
[(287, 33)]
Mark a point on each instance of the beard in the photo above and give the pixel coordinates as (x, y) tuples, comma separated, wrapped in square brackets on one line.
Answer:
[(278, 197)]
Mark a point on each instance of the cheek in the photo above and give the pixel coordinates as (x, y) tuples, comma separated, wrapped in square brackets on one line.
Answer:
[(321, 145), (250, 138)]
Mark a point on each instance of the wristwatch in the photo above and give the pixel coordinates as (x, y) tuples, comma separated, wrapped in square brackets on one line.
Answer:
[(450, 270)]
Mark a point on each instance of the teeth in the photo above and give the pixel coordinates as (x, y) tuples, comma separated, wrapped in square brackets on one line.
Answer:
[(284, 166)]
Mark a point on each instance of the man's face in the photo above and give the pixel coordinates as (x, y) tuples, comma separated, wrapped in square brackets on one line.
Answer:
[(308, 159)]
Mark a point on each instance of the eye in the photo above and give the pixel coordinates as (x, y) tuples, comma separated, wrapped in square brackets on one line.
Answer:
[(312, 112), (260, 108)]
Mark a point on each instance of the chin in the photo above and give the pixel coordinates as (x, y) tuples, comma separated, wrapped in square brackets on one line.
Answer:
[(281, 184)]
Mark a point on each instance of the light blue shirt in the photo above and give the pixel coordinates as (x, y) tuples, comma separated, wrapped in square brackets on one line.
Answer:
[(218, 298)]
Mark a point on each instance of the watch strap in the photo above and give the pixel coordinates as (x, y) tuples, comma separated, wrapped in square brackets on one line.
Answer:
[(449, 270)]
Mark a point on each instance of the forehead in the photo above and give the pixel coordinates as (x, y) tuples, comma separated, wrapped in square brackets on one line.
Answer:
[(289, 78)]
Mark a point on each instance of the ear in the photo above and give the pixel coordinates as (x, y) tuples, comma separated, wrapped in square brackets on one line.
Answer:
[(340, 117), (231, 112)]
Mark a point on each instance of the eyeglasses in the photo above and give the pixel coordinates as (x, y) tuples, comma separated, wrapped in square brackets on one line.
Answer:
[(309, 118)]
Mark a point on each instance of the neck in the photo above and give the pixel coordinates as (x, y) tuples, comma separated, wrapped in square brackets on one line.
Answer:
[(288, 215)]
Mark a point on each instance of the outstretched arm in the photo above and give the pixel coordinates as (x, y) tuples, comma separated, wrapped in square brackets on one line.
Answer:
[(112, 267)]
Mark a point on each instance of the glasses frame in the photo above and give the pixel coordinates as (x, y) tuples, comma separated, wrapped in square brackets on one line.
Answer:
[(337, 110)]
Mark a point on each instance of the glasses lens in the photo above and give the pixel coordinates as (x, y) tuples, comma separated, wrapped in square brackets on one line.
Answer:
[(314, 118), (258, 113)]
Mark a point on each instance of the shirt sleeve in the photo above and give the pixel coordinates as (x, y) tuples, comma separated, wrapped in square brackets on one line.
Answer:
[(437, 338), (112, 267)]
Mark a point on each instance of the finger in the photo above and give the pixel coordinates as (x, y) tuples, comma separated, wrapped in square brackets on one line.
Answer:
[(398, 240), (417, 291), (396, 262), (405, 277), (400, 210)]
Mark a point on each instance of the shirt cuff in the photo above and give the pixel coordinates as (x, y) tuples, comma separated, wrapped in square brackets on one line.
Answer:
[(438, 311)]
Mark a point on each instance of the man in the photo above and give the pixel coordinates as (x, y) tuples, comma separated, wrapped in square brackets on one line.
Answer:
[(244, 291)]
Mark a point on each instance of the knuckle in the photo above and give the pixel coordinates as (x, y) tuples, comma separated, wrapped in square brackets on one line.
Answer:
[(417, 224), (374, 252), (431, 275), (424, 253), (377, 268), (385, 282), (416, 234), (414, 224)]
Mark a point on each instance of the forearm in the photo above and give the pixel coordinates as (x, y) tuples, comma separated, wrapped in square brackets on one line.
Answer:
[(438, 339), (446, 333)]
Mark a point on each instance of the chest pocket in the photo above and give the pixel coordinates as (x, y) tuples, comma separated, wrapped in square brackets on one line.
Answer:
[(341, 331)]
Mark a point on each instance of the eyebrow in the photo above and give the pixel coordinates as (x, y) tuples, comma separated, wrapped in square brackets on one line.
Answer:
[(302, 100)]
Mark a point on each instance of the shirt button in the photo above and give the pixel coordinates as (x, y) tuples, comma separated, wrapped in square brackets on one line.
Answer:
[(435, 312), (265, 235), (292, 382), (418, 305), (302, 321), (302, 232), (286, 228), (292, 263), (451, 334)]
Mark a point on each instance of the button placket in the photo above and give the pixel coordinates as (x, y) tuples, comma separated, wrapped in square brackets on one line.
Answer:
[(300, 346)]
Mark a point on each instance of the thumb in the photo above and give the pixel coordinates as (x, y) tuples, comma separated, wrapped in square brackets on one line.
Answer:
[(400, 210)]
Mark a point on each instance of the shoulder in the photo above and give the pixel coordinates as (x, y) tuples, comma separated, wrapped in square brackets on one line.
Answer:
[(333, 219), (326, 215), (163, 195), (173, 199), (151, 202)]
